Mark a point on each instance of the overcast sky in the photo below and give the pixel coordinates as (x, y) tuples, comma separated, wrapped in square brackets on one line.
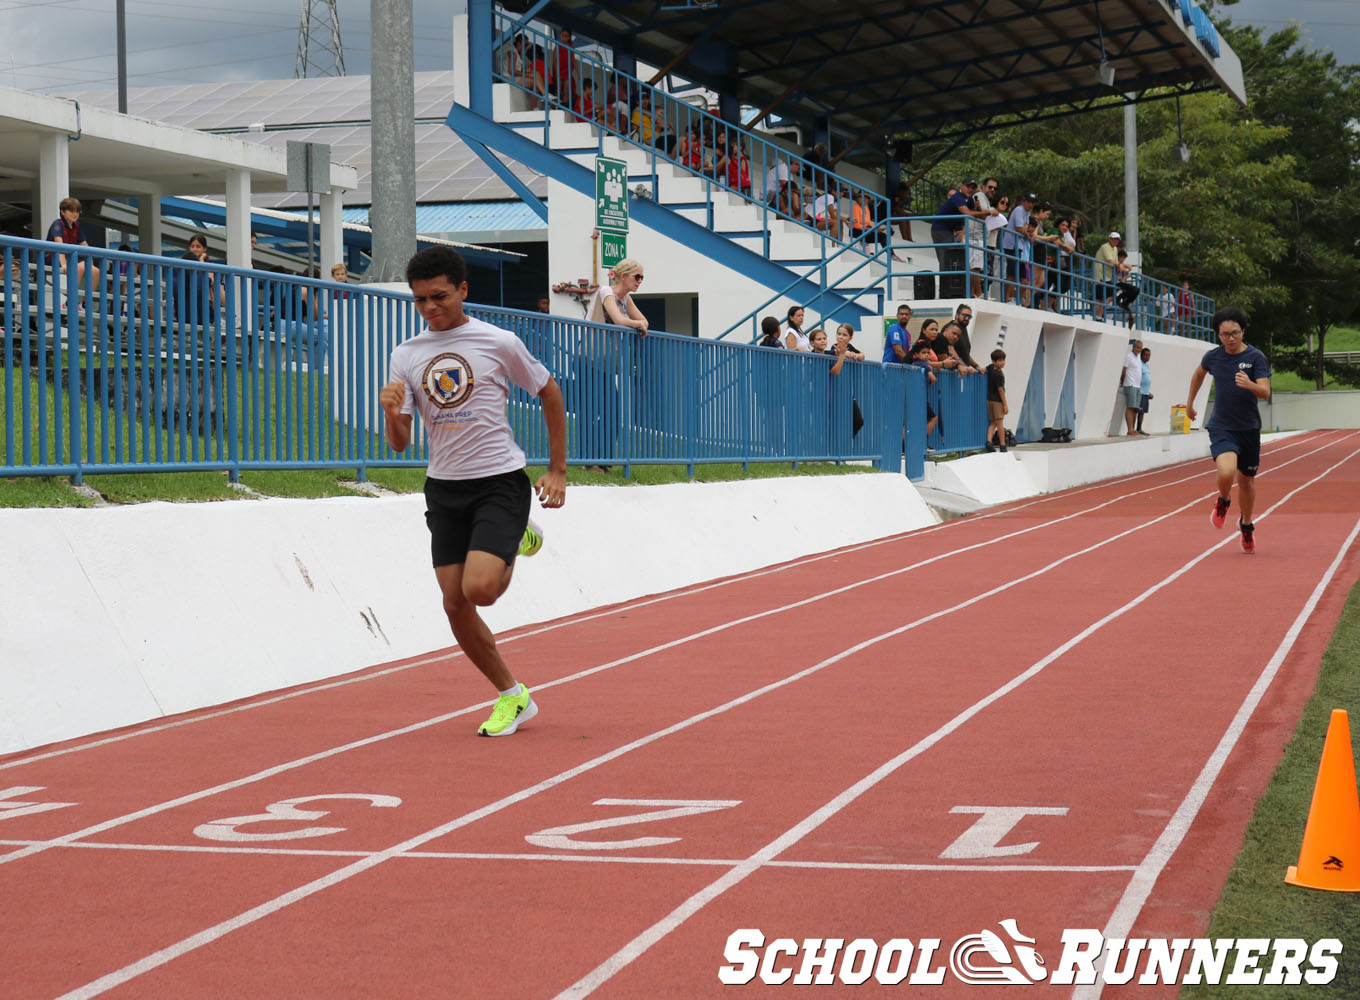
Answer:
[(54, 45)]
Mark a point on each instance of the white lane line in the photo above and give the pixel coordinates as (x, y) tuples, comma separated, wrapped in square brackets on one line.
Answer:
[(619, 609), (695, 636), (1141, 885), (211, 934), (868, 866), (652, 935)]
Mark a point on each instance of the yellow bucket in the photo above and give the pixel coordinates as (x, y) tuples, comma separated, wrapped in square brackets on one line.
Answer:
[(1180, 423)]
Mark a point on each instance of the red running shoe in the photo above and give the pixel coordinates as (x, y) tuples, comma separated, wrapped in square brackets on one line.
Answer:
[(1248, 542), (1220, 513)]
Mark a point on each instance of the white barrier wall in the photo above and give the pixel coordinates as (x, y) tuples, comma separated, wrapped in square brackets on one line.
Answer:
[(1311, 410), (116, 615)]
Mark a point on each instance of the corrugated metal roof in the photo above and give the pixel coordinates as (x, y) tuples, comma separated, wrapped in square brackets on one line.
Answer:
[(514, 219)]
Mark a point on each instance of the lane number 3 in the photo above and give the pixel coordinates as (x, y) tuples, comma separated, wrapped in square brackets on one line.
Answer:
[(286, 811)]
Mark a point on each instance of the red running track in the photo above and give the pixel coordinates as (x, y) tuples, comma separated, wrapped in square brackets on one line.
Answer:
[(1060, 712)]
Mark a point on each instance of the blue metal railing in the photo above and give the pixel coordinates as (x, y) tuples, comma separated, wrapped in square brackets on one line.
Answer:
[(726, 156), (120, 362)]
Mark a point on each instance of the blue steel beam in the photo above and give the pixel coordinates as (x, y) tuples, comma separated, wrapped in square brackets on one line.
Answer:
[(470, 125)]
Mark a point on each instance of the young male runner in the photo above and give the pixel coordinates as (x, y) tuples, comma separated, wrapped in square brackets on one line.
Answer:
[(1241, 379), (477, 497)]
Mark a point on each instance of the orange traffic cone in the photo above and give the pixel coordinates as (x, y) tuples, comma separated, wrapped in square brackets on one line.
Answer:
[(1330, 855)]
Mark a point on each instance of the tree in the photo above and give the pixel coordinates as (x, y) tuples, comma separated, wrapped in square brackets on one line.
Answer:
[(1212, 220), (1317, 102)]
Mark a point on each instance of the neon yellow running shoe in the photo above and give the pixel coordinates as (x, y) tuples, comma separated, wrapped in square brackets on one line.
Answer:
[(532, 540), (511, 712)]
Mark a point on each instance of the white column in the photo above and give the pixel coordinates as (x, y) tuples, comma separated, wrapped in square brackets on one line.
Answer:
[(54, 180), (332, 248), (149, 222), (462, 93), (238, 218)]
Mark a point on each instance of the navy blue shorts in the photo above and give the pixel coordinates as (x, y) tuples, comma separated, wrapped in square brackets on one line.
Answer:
[(487, 514), (1246, 444)]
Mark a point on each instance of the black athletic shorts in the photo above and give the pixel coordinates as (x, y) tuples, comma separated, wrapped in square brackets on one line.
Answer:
[(1246, 444), (488, 515)]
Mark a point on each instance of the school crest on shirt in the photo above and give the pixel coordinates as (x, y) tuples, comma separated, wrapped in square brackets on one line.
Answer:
[(448, 380)]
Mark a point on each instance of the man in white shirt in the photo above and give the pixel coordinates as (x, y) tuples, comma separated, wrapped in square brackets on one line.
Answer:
[(457, 373), (1131, 385)]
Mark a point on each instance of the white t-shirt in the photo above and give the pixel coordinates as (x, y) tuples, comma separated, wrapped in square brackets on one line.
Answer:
[(459, 380), (597, 310), (775, 176), (1133, 370)]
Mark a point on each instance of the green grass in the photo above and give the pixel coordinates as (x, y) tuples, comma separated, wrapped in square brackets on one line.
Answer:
[(177, 487), (303, 483), (1256, 901), (40, 491)]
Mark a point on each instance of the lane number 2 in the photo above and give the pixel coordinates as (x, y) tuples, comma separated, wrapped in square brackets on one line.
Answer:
[(563, 837)]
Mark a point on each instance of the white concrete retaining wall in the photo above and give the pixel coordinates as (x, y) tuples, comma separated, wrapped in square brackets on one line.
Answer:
[(1311, 410), (112, 616)]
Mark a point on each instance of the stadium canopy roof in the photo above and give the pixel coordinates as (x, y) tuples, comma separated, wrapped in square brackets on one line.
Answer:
[(331, 110), (916, 68)]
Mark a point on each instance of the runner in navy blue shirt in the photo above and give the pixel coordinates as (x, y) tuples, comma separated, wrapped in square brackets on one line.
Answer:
[(1241, 380)]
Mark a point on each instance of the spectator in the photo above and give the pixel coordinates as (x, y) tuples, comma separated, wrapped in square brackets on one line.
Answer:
[(794, 337), (544, 305), (897, 341), (949, 333), (644, 127), (599, 414), (1131, 384), (769, 329), (809, 203), (719, 166), (980, 212), (1074, 228), (901, 209), (1145, 388), (1106, 259), (995, 224), (997, 407), (826, 212), (1045, 255), (340, 274), (923, 357), (585, 102), (521, 69), (1186, 304), (1018, 250), (963, 345), (614, 303), (196, 291), (1166, 309), (1127, 284), (948, 228), (818, 339), (566, 69), (615, 116), (739, 170), (844, 348), (862, 225), (939, 351), (1067, 246), (776, 181), (67, 229)]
